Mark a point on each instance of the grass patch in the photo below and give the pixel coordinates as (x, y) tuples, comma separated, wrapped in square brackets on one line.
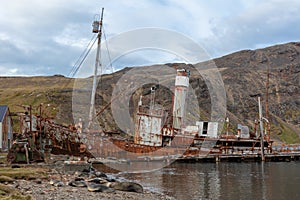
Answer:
[(5, 190), (23, 173), (10, 193), (289, 136), (285, 134), (3, 157)]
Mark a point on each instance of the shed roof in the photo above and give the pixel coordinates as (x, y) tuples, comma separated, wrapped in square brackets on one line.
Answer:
[(3, 110)]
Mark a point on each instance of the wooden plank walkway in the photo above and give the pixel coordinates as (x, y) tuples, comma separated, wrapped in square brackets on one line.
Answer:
[(275, 157)]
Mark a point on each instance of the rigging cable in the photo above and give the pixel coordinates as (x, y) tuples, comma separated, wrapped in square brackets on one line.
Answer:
[(82, 57), (85, 53), (109, 58), (108, 53)]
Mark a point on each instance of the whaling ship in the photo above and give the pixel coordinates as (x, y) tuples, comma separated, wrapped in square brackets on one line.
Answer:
[(155, 136)]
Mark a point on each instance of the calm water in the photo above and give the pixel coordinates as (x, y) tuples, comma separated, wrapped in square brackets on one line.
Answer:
[(225, 180)]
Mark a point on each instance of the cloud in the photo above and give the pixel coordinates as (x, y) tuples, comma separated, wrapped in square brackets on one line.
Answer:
[(266, 23), (30, 32), (47, 37), (8, 72)]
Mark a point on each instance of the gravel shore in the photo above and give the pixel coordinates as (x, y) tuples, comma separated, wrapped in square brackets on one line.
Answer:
[(42, 189)]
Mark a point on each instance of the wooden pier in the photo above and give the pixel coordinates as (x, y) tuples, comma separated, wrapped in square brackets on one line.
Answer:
[(274, 157)]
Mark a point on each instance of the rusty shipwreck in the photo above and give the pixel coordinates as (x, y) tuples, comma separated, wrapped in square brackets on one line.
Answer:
[(159, 135)]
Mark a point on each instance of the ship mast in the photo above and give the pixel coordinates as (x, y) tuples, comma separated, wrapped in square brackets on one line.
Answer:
[(267, 101), (97, 28)]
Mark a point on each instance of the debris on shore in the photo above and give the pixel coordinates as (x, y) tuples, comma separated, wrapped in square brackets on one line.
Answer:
[(53, 184)]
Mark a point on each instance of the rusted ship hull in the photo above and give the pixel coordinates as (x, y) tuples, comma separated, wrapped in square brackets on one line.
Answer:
[(181, 147)]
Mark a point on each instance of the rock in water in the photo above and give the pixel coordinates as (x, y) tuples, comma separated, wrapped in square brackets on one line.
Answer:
[(77, 183), (94, 187), (127, 186)]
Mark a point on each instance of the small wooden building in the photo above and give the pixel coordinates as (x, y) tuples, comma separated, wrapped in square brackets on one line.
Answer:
[(6, 128)]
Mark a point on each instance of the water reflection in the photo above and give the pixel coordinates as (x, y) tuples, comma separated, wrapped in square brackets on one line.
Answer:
[(225, 180)]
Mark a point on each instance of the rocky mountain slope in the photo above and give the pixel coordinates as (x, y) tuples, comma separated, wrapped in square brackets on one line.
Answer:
[(246, 73), (243, 73)]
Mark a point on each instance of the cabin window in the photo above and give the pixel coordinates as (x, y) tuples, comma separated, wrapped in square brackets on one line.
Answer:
[(205, 127)]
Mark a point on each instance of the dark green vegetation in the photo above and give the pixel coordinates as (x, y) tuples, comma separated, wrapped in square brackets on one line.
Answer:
[(27, 173), (243, 73), (8, 175), (10, 193)]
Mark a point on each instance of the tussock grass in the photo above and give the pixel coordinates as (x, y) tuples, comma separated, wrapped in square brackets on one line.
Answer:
[(10, 193), (23, 173)]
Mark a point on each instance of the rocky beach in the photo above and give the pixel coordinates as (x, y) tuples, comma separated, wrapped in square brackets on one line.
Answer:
[(54, 184)]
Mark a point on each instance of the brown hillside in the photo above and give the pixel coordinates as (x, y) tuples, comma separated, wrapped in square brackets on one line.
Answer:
[(243, 73)]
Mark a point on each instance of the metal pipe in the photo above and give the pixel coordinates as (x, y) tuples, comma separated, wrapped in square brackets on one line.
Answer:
[(26, 153), (267, 96), (268, 128), (40, 134), (30, 120), (261, 130), (227, 126), (255, 128)]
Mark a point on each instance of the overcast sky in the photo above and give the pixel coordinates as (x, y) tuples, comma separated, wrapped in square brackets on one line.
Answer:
[(40, 37)]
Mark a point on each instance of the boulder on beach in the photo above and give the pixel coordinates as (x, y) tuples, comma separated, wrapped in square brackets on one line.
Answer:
[(126, 186), (57, 183), (75, 183), (98, 180), (95, 187)]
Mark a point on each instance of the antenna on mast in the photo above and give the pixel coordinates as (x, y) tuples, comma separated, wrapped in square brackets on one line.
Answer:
[(97, 28)]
